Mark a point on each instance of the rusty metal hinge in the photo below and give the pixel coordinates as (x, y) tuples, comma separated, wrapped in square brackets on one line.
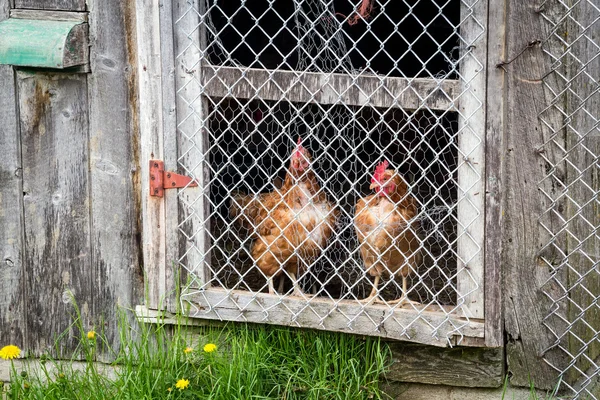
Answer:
[(161, 179)]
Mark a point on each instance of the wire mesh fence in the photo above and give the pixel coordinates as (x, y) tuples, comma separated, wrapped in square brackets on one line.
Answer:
[(339, 160), (571, 186)]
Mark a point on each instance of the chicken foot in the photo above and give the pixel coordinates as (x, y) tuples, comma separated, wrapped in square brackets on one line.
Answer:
[(404, 298)]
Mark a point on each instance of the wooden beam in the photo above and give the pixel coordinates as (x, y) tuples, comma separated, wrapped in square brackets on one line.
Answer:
[(49, 15), (427, 327), (114, 169), (457, 366), (495, 98), (471, 160), (151, 147), (12, 274), (66, 5), (325, 88), (524, 205)]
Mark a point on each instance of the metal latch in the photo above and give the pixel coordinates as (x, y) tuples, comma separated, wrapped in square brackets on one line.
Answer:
[(161, 179)]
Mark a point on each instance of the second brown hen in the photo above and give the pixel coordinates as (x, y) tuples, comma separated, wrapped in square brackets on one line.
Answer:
[(388, 243)]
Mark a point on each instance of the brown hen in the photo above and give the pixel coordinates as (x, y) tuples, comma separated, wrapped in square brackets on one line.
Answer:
[(291, 225), (388, 244)]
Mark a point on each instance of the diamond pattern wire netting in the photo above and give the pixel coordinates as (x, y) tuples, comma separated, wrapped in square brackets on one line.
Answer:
[(285, 110), (571, 185)]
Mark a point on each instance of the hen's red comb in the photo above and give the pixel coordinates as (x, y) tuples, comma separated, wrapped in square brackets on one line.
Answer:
[(299, 148), (380, 169)]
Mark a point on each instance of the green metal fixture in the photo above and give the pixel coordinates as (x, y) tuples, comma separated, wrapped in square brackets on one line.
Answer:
[(43, 43)]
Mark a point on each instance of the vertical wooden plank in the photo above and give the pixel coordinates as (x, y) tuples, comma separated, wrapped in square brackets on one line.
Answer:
[(471, 158), (583, 180), (114, 170), (524, 238), (65, 5), (54, 127), (192, 144), (173, 238), (495, 97), (12, 315), (151, 144)]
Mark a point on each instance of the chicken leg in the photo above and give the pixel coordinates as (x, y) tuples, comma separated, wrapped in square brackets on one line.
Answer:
[(272, 285), (404, 298), (374, 296)]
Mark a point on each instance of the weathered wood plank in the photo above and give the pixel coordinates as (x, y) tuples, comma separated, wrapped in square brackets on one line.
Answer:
[(54, 125), (471, 160), (49, 15), (192, 151), (151, 144), (114, 170), (493, 291), (12, 278), (457, 366), (427, 327), (67, 5), (175, 241), (525, 305), (310, 87), (583, 181)]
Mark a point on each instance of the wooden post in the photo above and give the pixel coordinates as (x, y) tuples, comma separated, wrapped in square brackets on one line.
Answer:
[(525, 305), (114, 168), (471, 160), (495, 99), (13, 319), (152, 147), (192, 134)]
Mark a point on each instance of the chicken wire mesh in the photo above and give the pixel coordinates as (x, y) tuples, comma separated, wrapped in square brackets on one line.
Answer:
[(571, 188), (286, 109)]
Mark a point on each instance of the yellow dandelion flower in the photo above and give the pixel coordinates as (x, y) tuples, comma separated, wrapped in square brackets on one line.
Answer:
[(182, 384), (188, 350), (9, 352), (91, 335), (169, 389), (210, 347)]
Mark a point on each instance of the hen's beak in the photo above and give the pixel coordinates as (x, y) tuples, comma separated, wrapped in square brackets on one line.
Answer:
[(374, 185)]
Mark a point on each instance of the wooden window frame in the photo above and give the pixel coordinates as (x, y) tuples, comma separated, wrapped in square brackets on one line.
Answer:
[(160, 74)]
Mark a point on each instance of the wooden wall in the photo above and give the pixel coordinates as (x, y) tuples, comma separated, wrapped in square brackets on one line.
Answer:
[(68, 187)]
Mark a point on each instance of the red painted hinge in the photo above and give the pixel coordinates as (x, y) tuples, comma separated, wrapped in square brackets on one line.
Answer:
[(161, 179)]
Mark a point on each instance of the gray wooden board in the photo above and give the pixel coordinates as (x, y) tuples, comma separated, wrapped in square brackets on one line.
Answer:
[(66, 5), (114, 172), (12, 315), (174, 240), (149, 73), (432, 328), (494, 326), (311, 87), (49, 15), (54, 126), (457, 366), (525, 305)]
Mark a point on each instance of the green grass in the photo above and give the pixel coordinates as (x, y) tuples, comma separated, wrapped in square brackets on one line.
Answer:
[(251, 362)]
